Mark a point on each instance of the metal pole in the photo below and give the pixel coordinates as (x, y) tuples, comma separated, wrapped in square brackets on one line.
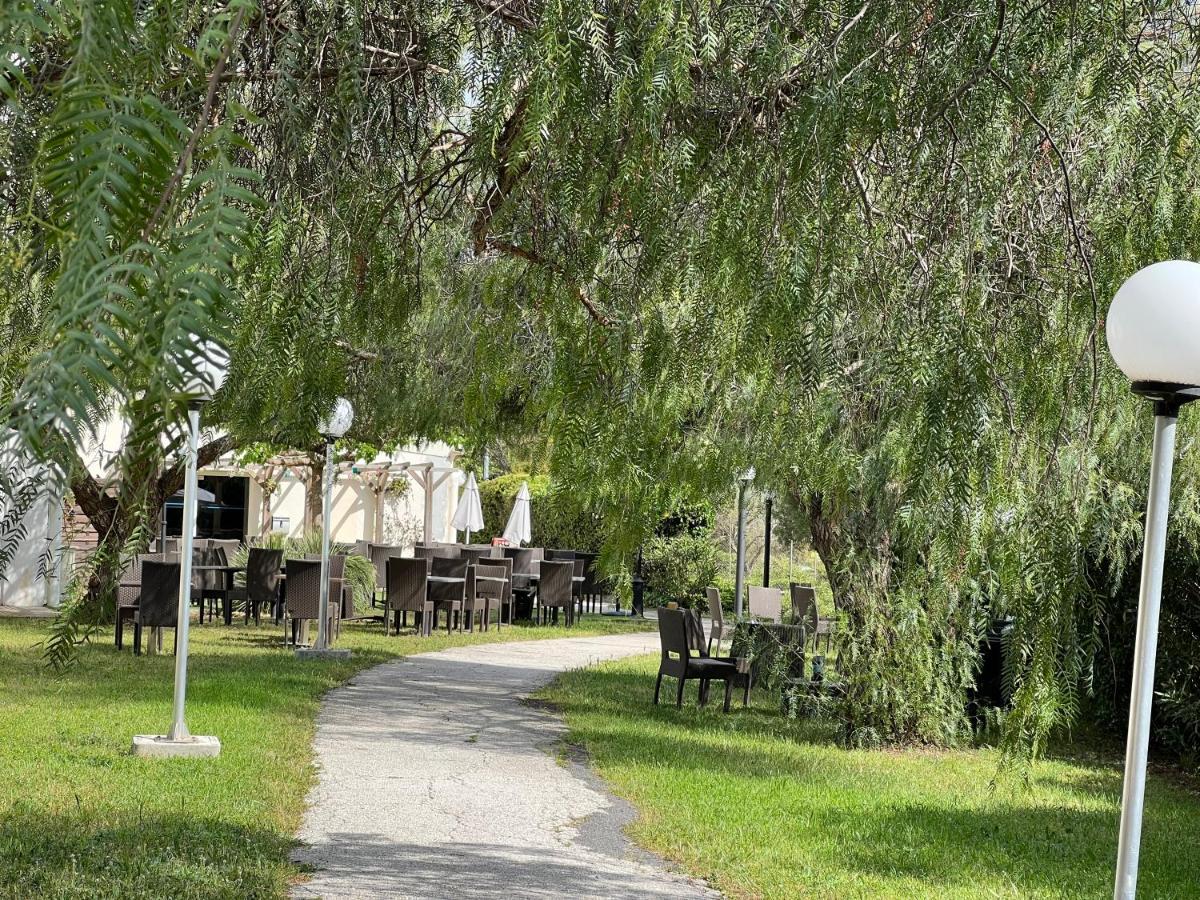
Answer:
[(179, 730), (767, 543), (1149, 601), (326, 517), (741, 551), (487, 464)]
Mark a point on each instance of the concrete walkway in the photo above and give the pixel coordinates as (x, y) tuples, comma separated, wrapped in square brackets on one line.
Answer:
[(437, 781)]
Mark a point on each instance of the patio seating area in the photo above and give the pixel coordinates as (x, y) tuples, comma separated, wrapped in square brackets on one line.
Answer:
[(453, 587)]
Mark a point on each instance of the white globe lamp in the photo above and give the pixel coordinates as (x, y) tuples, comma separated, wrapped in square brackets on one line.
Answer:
[(1153, 330)]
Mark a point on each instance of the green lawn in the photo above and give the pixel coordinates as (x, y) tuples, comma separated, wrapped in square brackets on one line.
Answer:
[(764, 807), (81, 817)]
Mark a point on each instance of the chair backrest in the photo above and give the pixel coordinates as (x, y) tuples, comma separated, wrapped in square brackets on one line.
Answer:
[(445, 567), (559, 555), (673, 638), (490, 588), (304, 588), (406, 584), (694, 626), (589, 571), (554, 585), (474, 554), (230, 547), (262, 574), (804, 606), (577, 568), (158, 604), (714, 606), (526, 559), (379, 554), (444, 551), (766, 603)]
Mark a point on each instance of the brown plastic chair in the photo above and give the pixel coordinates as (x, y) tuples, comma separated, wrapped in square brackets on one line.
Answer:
[(717, 615), (158, 601), (679, 662), (806, 613), (407, 591), (450, 597), (554, 590), (766, 603)]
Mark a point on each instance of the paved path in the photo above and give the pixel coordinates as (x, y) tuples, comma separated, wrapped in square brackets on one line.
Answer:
[(436, 781)]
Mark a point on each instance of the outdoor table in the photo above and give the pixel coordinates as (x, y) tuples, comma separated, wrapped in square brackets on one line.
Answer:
[(226, 598)]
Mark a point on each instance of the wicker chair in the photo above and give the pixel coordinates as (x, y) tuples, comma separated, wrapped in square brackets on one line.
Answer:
[(129, 589), (379, 554), (304, 595), (554, 590), (158, 600), (494, 593), (407, 591), (450, 597), (680, 662), (262, 582), (577, 585)]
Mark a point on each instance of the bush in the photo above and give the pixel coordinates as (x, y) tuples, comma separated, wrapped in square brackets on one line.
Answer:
[(554, 520), (678, 569)]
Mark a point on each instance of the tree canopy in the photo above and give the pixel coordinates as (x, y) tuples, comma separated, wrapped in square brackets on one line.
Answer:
[(864, 246)]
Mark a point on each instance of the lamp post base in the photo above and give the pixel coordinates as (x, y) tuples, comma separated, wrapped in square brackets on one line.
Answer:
[(321, 653), (159, 746)]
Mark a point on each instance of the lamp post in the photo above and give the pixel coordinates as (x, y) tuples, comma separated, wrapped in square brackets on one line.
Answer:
[(1152, 327), (767, 540), (332, 427), (744, 481), (209, 368)]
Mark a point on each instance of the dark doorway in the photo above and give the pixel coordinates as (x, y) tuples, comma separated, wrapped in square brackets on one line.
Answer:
[(221, 509)]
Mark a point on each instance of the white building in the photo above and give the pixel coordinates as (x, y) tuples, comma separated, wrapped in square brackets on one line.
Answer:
[(398, 498)]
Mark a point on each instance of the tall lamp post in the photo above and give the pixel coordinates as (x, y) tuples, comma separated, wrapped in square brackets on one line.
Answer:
[(208, 374), (744, 481), (332, 427), (1152, 330)]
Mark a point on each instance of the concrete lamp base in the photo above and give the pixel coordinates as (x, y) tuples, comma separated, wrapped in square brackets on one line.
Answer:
[(327, 653), (159, 746)]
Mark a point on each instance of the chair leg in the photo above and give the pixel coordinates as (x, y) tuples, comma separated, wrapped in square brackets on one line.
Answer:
[(137, 639), (657, 686), (728, 692), (679, 694)]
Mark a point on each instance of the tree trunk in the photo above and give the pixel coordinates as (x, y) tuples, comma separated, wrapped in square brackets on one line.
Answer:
[(313, 478)]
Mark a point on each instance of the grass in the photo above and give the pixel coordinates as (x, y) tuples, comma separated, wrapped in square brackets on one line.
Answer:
[(81, 817), (766, 807)]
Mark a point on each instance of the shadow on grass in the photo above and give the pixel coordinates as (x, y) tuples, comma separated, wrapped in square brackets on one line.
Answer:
[(130, 856), (870, 817)]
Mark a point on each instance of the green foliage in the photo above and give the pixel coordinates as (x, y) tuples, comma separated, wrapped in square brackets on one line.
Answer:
[(679, 568), (554, 519), (360, 572)]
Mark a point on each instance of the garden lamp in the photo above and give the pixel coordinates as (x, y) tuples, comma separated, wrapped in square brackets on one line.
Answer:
[(208, 369), (744, 481), (1152, 327), (332, 426)]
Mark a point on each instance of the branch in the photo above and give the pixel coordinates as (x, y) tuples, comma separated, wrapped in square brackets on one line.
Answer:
[(532, 256), (510, 12), (172, 479), (210, 100)]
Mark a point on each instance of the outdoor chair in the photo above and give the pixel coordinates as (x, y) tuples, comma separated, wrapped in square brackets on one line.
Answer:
[(491, 593), (158, 601), (262, 582), (554, 590), (766, 603), (805, 612), (304, 596), (473, 554), (425, 551), (681, 663), (506, 599), (524, 563), (450, 597), (717, 615), (590, 582), (577, 586), (379, 554), (130, 587), (407, 591)]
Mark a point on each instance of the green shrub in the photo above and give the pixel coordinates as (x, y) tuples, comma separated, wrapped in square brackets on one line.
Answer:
[(679, 568), (554, 519)]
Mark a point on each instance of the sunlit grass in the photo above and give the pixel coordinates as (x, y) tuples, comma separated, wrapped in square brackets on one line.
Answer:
[(81, 817), (765, 807)]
